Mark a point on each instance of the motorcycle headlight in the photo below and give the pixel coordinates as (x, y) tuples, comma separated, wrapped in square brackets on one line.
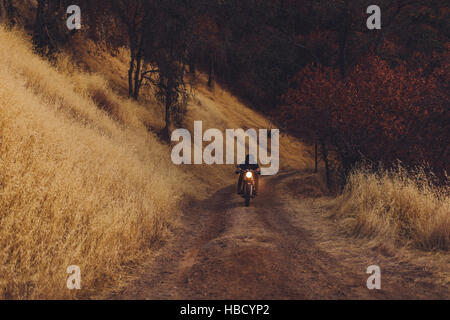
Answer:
[(249, 175)]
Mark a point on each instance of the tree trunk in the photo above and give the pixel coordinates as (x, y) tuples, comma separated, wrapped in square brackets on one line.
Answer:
[(137, 74), (137, 77), (7, 12), (130, 74), (191, 68), (3, 15), (316, 158), (38, 32), (342, 64), (342, 39), (211, 78), (165, 132), (327, 165)]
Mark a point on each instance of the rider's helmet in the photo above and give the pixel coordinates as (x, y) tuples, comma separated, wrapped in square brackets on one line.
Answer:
[(249, 159)]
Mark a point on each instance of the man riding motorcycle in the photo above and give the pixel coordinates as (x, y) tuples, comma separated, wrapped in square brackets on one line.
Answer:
[(249, 164)]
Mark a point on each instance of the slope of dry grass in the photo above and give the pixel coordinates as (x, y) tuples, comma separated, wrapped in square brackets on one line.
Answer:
[(82, 180), (76, 186), (216, 109), (396, 206)]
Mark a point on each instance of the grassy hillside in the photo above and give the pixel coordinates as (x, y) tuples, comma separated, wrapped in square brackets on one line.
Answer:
[(83, 181), (76, 186), (216, 109)]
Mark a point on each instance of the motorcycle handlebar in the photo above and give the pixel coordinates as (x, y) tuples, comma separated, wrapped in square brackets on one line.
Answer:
[(258, 171)]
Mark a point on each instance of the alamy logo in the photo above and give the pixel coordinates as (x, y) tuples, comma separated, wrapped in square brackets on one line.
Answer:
[(374, 21), (74, 280), (74, 20), (374, 281), (214, 152)]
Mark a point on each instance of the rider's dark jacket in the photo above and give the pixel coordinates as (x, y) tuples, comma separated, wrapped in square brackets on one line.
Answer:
[(248, 166)]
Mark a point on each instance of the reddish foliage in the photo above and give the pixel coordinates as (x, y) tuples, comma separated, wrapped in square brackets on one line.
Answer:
[(378, 113)]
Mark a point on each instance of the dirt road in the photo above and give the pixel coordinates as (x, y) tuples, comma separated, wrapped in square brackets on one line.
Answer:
[(283, 246)]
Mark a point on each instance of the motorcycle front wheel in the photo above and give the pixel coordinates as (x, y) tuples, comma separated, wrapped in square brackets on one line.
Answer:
[(248, 195)]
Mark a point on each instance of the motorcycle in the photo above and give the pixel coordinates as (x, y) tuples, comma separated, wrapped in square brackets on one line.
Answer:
[(248, 185)]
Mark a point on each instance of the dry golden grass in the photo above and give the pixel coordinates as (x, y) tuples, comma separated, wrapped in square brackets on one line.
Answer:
[(82, 180), (396, 206), (76, 187)]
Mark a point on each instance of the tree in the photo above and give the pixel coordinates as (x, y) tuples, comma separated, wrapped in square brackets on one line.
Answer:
[(7, 12), (3, 13), (50, 30), (157, 34), (135, 16), (309, 105), (168, 55), (374, 96), (378, 114)]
